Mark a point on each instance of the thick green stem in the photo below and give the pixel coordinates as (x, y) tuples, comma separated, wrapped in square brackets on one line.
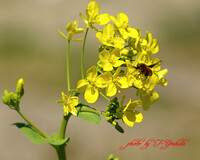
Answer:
[(61, 152), (82, 55), (61, 135), (32, 125), (63, 126), (68, 75)]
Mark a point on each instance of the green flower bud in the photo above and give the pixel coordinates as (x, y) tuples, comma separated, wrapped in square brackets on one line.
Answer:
[(20, 87), (108, 108), (6, 97), (107, 114), (119, 128), (111, 157), (114, 123), (10, 99), (13, 99), (109, 119)]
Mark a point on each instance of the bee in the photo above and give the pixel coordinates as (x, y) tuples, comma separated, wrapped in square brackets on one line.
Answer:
[(146, 69)]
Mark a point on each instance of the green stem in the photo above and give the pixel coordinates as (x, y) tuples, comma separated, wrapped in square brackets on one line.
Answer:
[(61, 135), (61, 152), (32, 125), (82, 55), (63, 126), (68, 75), (105, 96)]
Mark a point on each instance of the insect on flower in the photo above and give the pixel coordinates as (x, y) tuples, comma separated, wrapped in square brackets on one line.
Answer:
[(146, 69)]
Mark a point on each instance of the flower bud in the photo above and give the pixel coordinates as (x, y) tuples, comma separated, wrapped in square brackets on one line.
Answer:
[(107, 114), (114, 123), (20, 87), (119, 128), (6, 97)]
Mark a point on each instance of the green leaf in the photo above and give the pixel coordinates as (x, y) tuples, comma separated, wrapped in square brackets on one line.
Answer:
[(86, 114), (56, 142), (30, 133), (37, 138)]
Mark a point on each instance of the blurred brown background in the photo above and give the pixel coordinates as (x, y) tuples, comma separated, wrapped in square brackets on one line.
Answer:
[(30, 47)]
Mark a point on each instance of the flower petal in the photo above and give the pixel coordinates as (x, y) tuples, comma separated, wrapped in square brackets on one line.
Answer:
[(102, 19), (81, 85), (123, 81), (129, 118), (138, 116), (92, 10), (104, 55), (107, 66), (108, 31), (103, 80), (123, 19), (91, 74), (111, 89), (91, 94)]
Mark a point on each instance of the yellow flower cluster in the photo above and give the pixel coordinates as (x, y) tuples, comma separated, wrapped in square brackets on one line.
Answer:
[(125, 61)]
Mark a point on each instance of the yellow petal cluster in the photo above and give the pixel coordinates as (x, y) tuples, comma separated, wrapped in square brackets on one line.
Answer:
[(126, 60), (130, 115), (69, 103)]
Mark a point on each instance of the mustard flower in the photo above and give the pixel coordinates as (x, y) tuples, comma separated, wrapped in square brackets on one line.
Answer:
[(152, 44), (89, 85), (148, 98), (137, 44), (112, 82), (72, 29), (108, 59), (130, 115), (92, 14), (121, 22), (108, 37), (145, 72), (69, 103)]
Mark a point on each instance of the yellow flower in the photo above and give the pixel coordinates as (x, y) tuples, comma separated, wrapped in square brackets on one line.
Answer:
[(108, 37), (108, 60), (92, 14), (148, 98), (137, 43), (112, 82), (152, 44), (145, 72), (72, 29), (121, 22), (130, 115), (89, 85), (69, 103)]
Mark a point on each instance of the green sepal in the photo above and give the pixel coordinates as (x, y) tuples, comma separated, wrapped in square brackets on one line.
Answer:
[(88, 116), (36, 138), (83, 18)]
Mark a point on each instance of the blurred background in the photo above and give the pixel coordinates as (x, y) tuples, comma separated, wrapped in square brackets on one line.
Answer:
[(30, 47)]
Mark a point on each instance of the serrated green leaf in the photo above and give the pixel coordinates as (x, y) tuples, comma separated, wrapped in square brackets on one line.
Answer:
[(88, 116), (37, 138)]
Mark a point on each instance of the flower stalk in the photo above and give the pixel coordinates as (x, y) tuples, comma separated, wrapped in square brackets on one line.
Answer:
[(82, 55)]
